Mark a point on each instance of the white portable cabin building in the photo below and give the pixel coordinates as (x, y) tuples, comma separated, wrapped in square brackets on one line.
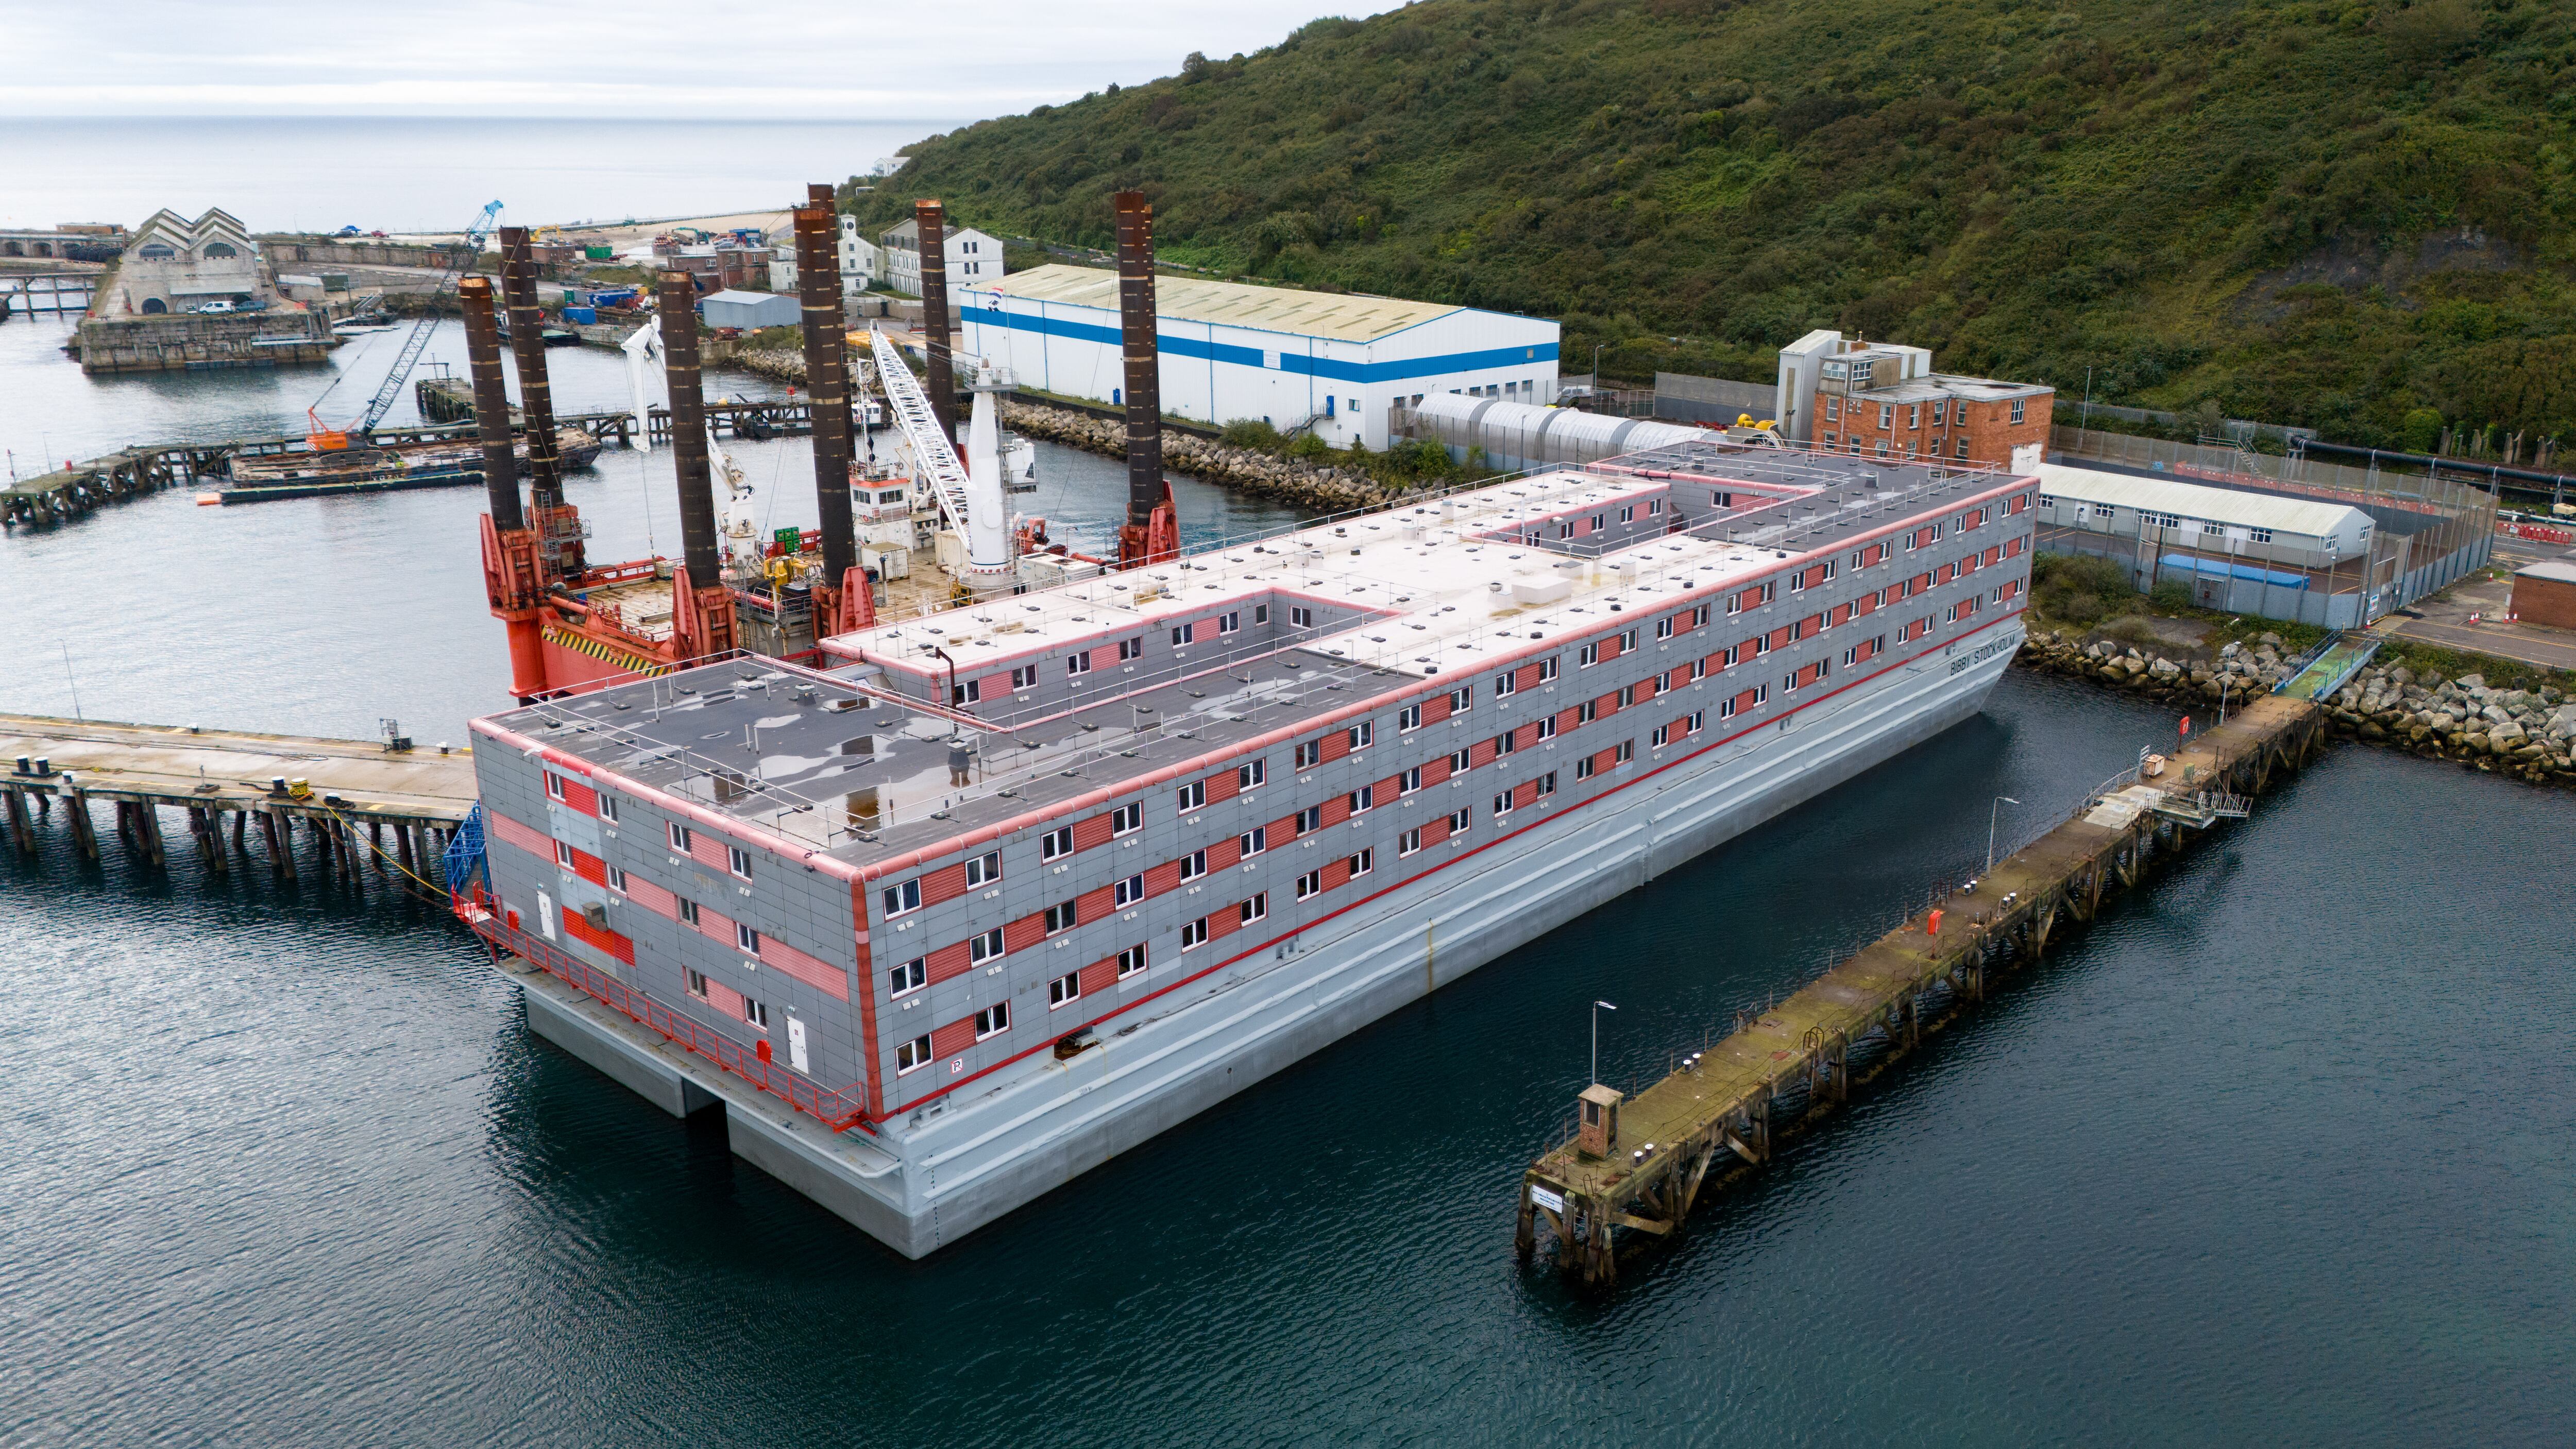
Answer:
[(2245, 552), (1230, 351)]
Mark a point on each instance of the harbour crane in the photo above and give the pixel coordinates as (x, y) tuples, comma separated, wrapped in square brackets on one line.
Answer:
[(324, 439)]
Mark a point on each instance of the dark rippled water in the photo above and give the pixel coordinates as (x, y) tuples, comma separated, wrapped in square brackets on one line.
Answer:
[(2279, 1152)]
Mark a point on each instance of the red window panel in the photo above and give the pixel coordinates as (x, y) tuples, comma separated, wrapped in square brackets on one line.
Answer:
[(1023, 933), (1683, 621), (1814, 575), (1436, 831), (1602, 760), (1967, 606), (727, 1000), (1161, 878), (1749, 598), (716, 926), (1222, 785), (1282, 829), (1922, 536), (1975, 518), (1839, 614), (1224, 921), (1480, 753), (589, 867), (1994, 555), (1743, 702), (1809, 674), (1337, 874), (1392, 786), (1967, 565), (534, 842), (944, 884), (1865, 604), (1222, 855), (950, 961), (1566, 719), (2016, 504), (1104, 657), (580, 796), (1526, 677), (1337, 810), (1921, 582), (598, 940), (708, 848), (1524, 737), (1333, 746), (1810, 626), (1712, 664), (953, 1038), (1945, 573), (1524, 793), (1610, 648), (2012, 547), (653, 898), (1432, 773), (1095, 905), (1099, 976), (819, 974), (1606, 706), (1091, 832), (1781, 636), (1435, 709), (993, 686), (2012, 589)]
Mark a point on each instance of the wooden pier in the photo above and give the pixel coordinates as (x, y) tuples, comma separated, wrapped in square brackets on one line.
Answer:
[(364, 804), (1635, 1166)]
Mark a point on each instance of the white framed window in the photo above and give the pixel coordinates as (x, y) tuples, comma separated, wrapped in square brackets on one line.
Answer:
[(563, 855), (1664, 628), (1192, 796), (913, 1055), (1229, 622), (1061, 917), (698, 984), (1251, 775), (1024, 676), (909, 977), (1663, 736), (1127, 819), (1128, 892), (1362, 863), (1588, 711), (1131, 649), (1194, 935), (1587, 656), (1504, 743), (1583, 768), (1628, 513), (902, 900), (1362, 735), (971, 692), (1310, 884), (745, 939), (1547, 669), (1361, 800), (1193, 865), (616, 880), (1546, 784), (1252, 842), (2017, 404), (1261, 613), (1547, 728), (1502, 804), (1692, 721), (1627, 751), (984, 946), (1565, 528), (1408, 843), (1462, 699), (1131, 961), (1058, 841), (756, 1012), (738, 860), (1308, 755), (1459, 820), (1654, 507), (1181, 634), (688, 909), (608, 808), (1078, 663), (1411, 780), (1627, 641), (1503, 685), (1408, 719), (554, 786), (681, 838), (984, 869), (1300, 617), (993, 1020), (1257, 907)]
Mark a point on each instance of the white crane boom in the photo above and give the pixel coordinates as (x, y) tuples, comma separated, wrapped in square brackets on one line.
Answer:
[(931, 450)]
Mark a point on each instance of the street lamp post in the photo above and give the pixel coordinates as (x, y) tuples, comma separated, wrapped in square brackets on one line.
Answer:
[(1596, 388), (1597, 1008), (1992, 814)]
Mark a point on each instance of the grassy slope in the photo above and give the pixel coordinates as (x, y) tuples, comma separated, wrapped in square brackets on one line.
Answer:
[(2356, 217)]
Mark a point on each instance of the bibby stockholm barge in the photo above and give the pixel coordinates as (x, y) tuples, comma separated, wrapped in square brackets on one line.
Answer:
[(1001, 892)]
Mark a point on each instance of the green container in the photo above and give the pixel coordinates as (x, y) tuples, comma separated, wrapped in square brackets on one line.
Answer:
[(788, 538), (599, 254)]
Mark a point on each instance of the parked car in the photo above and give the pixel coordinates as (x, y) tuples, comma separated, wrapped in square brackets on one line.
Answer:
[(212, 307)]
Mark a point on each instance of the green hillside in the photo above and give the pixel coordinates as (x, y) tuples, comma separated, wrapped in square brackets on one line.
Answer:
[(2350, 216)]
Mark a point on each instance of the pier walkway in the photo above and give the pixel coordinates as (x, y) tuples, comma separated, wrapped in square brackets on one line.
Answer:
[(1636, 1165), (406, 801)]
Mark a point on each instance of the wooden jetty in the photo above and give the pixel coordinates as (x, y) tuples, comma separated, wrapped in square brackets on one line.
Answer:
[(1635, 1165), (407, 801)]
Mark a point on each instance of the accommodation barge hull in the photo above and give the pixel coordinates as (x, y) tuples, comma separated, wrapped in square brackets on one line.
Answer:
[(1004, 893)]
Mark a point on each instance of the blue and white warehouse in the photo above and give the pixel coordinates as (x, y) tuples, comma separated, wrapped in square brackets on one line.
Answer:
[(1232, 351)]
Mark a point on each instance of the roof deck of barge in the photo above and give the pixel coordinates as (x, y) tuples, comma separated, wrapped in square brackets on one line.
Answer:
[(841, 765)]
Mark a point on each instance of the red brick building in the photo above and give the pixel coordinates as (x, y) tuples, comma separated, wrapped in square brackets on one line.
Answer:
[(2545, 593), (1886, 401)]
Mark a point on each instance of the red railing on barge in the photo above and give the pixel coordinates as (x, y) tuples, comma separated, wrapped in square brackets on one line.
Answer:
[(840, 1111)]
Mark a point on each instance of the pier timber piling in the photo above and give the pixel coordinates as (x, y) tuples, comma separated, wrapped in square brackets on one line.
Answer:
[(1637, 1165)]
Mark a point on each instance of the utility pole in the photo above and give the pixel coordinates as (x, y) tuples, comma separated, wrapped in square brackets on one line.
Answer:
[(1597, 1008)]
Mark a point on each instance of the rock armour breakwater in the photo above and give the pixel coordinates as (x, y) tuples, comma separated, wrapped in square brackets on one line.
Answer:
[(2526, 734), (1329, 490)]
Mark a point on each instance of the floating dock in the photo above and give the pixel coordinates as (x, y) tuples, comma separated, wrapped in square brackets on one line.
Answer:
[(408, 802), (1636, 1165)]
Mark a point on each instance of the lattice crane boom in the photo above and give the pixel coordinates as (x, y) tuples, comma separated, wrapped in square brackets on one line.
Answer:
[(420, 330), (932, 452)]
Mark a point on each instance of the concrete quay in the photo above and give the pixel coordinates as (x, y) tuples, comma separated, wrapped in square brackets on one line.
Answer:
[(1634, 1167)]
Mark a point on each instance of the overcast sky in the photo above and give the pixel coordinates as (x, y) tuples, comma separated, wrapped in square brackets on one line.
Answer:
[(774, 59)]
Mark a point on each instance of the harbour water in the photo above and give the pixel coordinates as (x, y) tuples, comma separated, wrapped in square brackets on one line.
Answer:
[(2278, 1151)]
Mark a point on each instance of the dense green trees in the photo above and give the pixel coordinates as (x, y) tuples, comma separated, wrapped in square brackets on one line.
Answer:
[(2342, 215)]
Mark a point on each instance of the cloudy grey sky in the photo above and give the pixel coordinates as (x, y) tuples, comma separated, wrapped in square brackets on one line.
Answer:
[(773, 59)]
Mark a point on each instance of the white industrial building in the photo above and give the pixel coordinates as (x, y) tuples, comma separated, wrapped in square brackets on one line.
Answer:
[(973, 257), (751, 311), (2241, 551), (1231, 351)]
